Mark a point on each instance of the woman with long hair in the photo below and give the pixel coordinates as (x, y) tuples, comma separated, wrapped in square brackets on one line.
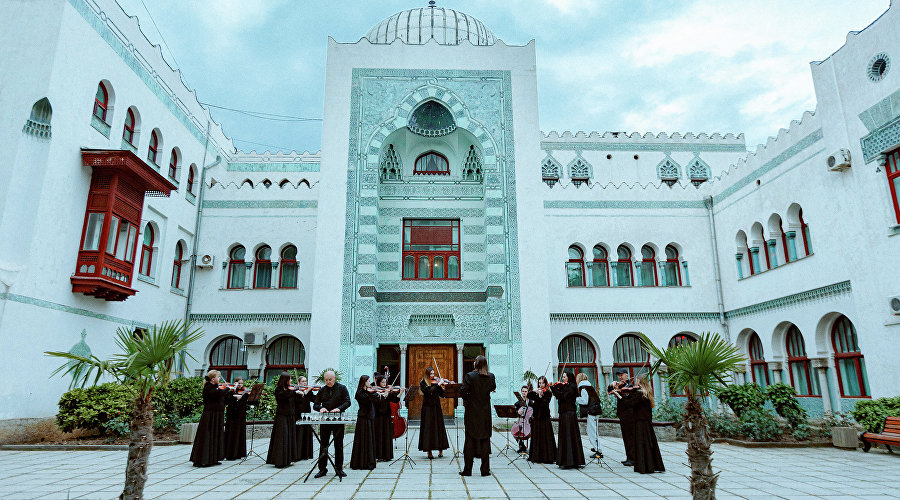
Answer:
[(236, 422), (283, 443), (209, 443), (570, 453), (362, 456), (384, 427), (647, 458), (302, 404), (432, 433), (543, 444)]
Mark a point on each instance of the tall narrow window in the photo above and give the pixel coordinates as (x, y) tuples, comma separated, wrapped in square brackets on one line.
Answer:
[(431, 249), (409, 267), (600, 267), (229, 356), (453, 267), (623, 267), (190, 181), (93, 228), (578, 354), (758, 366), (673, 271), (288, 267), (628, 353), (176, 265), (432, 163), (147, 251), (128, 131), (285, 354), (892, 167), (173, 165), (575, 267), (648, 266), (101, 102), (798, 364), (153, 147), (437, 267), (262, 276), (848, 360), (237, 268)]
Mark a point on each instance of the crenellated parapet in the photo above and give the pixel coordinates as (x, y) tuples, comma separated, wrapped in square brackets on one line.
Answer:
[(624, 141)]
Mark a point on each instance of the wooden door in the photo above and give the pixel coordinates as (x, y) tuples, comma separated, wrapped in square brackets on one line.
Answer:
[(423, 356)]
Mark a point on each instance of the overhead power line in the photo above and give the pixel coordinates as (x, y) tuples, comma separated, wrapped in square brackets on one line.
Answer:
[(280, 148), (265, 116), (161, 37)]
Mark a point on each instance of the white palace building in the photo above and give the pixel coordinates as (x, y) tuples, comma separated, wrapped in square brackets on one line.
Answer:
[(438, 222)]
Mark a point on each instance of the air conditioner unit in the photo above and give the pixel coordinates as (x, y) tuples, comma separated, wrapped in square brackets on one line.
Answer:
[(206, 261), (894, 303), (254, 338), (838, 161)]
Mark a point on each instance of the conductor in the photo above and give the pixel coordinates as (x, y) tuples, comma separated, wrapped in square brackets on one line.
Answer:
[(475, 391)]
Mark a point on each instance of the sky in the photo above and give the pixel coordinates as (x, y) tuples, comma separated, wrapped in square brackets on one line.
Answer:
[(614, 65)]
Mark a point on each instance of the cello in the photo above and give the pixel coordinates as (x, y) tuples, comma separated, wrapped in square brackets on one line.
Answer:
[(521, 430), (397, 420)]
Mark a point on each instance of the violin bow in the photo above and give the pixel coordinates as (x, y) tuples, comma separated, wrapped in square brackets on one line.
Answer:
[(436, 367)]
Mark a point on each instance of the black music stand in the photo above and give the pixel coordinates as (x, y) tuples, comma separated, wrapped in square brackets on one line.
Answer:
[(253, 400), (411, 392), (452, 392), (507, 412), (593, 396)]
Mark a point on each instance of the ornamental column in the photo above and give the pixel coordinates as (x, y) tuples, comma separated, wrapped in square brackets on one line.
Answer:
[(775, 367), (821, 367), (459, 362), (740, 267), (248, 275), (773, 254), (273, 280), (403, 365), (792, 244), (754, 259)]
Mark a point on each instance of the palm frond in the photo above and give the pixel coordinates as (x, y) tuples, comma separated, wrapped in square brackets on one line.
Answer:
[(696, 367)]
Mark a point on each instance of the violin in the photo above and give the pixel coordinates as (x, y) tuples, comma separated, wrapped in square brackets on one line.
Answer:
[(305, 388)]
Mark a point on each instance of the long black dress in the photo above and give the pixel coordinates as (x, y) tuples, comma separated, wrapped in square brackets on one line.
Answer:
[(304, 432), (236, 426), (283, 443), (384, 427), (570, 452), (432, 433), (209, 443), (363, 455), (543, 444), (647, 457), (625, 413)]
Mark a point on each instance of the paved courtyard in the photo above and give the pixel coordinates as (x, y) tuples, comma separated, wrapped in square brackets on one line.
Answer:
[(745, 473)]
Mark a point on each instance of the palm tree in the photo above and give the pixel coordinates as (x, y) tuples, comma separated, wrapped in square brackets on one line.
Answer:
[(698, 368), (143, 365)]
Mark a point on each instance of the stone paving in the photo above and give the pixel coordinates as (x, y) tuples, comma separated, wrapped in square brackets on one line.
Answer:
[(745, 473)]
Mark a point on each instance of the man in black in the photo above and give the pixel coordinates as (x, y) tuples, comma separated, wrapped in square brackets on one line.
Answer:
[(476, 390), (625, 414), (333, 398)]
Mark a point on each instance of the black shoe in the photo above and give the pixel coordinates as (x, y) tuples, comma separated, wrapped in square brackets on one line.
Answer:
[(464, 473), (593, 450), (484, 475), (321, 473), (628, 464), (340, 473)]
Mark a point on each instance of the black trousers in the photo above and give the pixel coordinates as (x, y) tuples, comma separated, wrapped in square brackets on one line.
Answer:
[(325, 433), (479, 447)]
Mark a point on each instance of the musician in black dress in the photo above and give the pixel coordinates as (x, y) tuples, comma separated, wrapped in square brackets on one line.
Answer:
[(570, 453), (302, 403), (543, 443), (521, 408), (362, 456), (283, 443), (432, 433), (209, 443), (384, 425), (333, 398), (236, 422), (476, 389), (647, 458), (623, 392)]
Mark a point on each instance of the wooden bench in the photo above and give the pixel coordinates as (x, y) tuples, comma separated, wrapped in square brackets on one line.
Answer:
[(889, 435)]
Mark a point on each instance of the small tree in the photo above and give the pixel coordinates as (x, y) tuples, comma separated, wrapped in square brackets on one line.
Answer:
[(698, 368), (143, 364)]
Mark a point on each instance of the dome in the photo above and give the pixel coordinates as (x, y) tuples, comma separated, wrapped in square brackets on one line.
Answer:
[(418, 26)]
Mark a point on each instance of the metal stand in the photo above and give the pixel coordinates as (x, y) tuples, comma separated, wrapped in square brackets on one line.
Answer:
[(522, 454), (456, 450), (599, 460), (405, 456), (322, 452), (503, 450), (252, 453)]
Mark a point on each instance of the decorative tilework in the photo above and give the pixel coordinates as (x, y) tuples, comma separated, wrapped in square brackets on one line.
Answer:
[(431, 296), (252, 318), (473, 266), (431, 212), (389, 266), (626, 317), (473, 230), (881, 112), (880, 139), (624, 204), (260, 203), (791, 300), (494, 220), (473, 247), (46, 304), (389, 247), (295, 166), (496, 238), (641, 146), (418, 285), (388, 229)]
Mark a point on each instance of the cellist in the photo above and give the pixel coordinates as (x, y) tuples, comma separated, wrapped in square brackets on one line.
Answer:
[(521, 408)]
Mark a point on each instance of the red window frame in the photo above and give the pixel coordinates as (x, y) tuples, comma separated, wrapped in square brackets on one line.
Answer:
[(235, 263), (128, 129), (757, 357), (604, 262), (674, 261), (418, 254), (288, 262), (796, 351), (750, 261), (228, 369), (257, 262), (147, 252), (288, 367), (652, 262), (892, 169), (804, 228), (153, 147), (417, 171), (580, 262), (626, 350), (784, 247), (765, 245), (101, 105), (628, 261), (842, 354), (176, 266), (578, 353), (190, 180), (676, 340), (173, 164)]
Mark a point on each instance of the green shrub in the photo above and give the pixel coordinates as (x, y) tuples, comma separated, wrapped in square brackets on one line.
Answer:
[(801, 432), (609, 405), (180, 397), (784, 399), (760, 425), (265, 410), (741, 398), (871, 413), (724, 425), (93, 407), (119, 426), (670, 411)]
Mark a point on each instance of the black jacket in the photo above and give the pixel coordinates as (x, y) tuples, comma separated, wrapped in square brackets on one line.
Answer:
[(332, 397), (476, 393)]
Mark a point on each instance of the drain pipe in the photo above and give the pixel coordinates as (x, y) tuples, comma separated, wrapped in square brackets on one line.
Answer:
[(708, 201)]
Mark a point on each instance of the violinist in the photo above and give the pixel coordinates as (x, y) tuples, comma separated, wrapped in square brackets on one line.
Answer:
[(623, 389), (236, 422), (570, 454), (521, 408), (283, 442), (302, 403), (647, 458), (209, 443), (362, 456), (384, 428), (543, 444), (432, 433)]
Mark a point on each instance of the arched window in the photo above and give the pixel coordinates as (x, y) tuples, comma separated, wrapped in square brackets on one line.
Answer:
[(892, 168), (623, 267), (630, 354), (176, 266), (677, 340), (101, 102), (173, 165), (648, 266), (600, 267), (237, 268), (285, 354), (147, 251), (578, 354), (390, 164), (262, 273), (453, 267), (438, 267), (128, 131), (758, 366), (423, 267), (409, 267), (153, 147), (229, 356), (472, 168), (190, 180), (575, 267), (668, 171), (432, 163), (550, 171), (802, 378), (804, 230), (288, 266), (673, 270), (579, 172), (38, 125), (849, 360)]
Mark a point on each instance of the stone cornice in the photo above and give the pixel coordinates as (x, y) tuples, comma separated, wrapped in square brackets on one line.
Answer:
[(490, 292), (251, 317), (616, 317), (790, 300)]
